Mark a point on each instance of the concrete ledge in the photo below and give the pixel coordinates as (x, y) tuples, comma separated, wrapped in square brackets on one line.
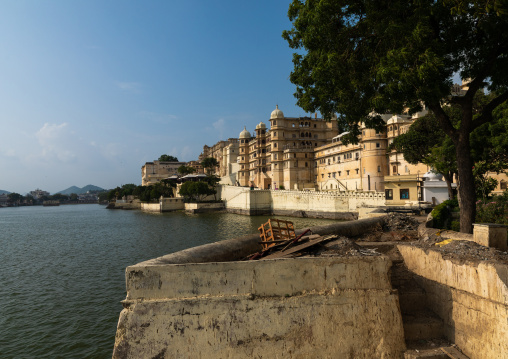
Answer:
[(484, 279), (203, 207), (470, 297), (259, 278)]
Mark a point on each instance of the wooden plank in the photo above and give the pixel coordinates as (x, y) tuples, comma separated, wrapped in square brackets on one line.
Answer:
[(453, 353), (298, 248)]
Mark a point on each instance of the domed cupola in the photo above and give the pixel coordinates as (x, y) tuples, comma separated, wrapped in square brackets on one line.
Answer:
[(276, 114), (431, 176), (245, 133), (260, 126)]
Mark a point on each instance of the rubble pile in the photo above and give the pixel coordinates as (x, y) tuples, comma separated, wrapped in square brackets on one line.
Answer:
[(397, 227), (343, 247), (469, 251)]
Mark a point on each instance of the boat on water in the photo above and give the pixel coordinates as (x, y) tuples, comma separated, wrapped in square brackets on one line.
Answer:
[(50, 203)]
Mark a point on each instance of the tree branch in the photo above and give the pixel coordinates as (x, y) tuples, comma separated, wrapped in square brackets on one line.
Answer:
[(443, 118), (486, 115)]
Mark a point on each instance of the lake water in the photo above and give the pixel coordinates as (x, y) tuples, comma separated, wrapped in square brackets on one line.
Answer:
[(62, 270)]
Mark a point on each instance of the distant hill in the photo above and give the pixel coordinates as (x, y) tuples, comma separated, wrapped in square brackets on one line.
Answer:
[(78, 190), (2, 191)]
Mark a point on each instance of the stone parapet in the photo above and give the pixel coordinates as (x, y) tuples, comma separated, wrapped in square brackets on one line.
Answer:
[(470, 297)]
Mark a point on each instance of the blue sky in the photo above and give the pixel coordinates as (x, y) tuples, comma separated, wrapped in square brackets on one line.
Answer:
[(91, 90)]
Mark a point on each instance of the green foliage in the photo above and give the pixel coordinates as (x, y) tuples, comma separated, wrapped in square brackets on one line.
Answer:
[(358, 59), (494, 210), (144, 193), (282, 187), (185, 170), (196, 191), (167, 158), (14, 197), (209, 163), (442, 214)]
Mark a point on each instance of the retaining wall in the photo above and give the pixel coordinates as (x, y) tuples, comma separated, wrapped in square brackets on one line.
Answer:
[(324, 307), (335, 205), (470, 297)]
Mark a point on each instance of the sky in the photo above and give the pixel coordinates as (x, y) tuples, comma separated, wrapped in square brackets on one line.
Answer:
[(91, 90)]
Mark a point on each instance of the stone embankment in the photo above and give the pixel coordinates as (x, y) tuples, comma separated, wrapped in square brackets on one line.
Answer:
[(385, 291), (204, 303)]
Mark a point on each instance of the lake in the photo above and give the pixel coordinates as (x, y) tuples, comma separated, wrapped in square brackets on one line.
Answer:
[(62, 270)]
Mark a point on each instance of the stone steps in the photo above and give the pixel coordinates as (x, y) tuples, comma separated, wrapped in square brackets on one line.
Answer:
[(422, 325)]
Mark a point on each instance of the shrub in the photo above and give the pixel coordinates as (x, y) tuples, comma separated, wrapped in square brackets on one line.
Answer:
[(442, 214), (494, 210)]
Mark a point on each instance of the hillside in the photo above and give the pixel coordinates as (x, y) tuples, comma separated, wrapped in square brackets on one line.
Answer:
[(2, 191), (78, 190)]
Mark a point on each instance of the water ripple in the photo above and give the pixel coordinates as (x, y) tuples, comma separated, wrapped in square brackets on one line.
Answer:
[(62, 270)]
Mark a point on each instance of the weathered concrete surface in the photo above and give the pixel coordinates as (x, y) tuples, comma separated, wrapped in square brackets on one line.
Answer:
[(203, 207), (327, 204), (471, 298), (285, 308)]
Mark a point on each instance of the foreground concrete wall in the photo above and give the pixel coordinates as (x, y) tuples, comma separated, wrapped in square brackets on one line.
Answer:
[(311, 307), (471, 298), (295, 308)]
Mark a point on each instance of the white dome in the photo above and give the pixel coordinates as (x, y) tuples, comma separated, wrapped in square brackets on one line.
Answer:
[(245, 133), (431, 176), (276, 113), (260, 125)]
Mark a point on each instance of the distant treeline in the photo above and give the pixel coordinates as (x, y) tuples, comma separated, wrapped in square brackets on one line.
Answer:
[(144, 193), (18, 199)]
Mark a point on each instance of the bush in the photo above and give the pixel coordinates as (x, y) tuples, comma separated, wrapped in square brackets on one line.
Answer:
[(442, 214), (494, 210)]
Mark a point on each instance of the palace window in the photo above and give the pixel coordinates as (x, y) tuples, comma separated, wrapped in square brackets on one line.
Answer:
[(389, 194), (347, 173), (404, 193), (379, 168), (378, 145)]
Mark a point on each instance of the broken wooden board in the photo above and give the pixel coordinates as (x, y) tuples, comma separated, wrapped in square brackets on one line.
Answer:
[(453, 353), (282, 254)]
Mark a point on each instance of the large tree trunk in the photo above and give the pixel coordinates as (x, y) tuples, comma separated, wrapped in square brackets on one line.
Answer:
[(466, 183)]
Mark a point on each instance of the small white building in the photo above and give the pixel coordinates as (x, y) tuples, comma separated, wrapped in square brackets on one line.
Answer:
[(434, 189)]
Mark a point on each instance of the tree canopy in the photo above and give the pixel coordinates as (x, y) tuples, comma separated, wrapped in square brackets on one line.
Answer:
[(209, 163), (357, 59), (196, 191), (185, 170), (168, 158)]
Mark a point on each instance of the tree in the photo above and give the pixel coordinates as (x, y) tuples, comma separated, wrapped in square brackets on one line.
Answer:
[(167, 158), (185, 170), (14, 198), (426, 143), (196, 191), (209, 163), (369, 57)]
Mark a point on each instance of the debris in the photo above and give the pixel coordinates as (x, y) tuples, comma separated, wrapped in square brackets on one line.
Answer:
[(276, 231)]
